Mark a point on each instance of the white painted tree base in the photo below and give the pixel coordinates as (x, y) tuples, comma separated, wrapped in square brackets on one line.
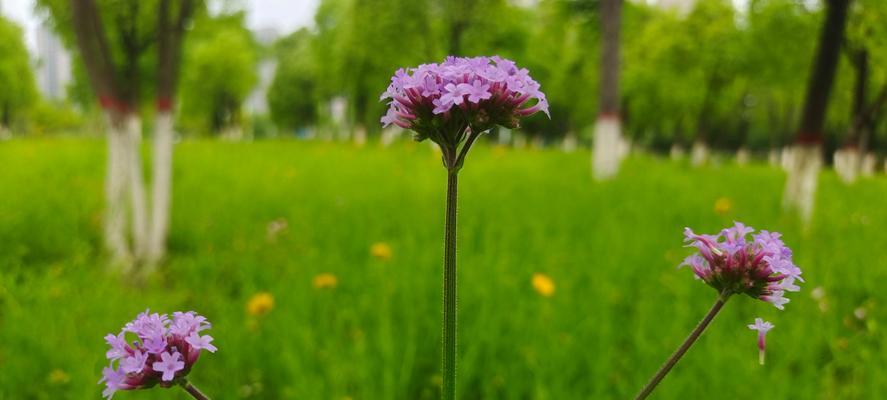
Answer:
[(505, 136), (868, 165), (804, 164), (139, 207), (115, 194), (699, 154), (161, 188), (360, 136), (570, 142), (390, 135), (743, 156), (786, 158), (520, 141), (232, 133), (676, 152), (847, 164), (609, 148), (773, 157)]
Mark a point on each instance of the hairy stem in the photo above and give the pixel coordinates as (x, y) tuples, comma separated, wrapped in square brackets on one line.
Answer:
[(665, 368), (193, 390), (449, 291)]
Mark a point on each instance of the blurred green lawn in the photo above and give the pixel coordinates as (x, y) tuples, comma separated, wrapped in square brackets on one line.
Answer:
[(618, 310)]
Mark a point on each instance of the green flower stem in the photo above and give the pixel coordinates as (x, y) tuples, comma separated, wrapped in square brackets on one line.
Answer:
[(193, 390), (448, 391), (665, 368)]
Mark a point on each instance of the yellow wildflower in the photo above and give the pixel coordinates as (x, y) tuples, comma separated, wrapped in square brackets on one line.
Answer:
[(325, 281), (59, 377), (260, 304), (723, 205), (543, 284), (381, 250)]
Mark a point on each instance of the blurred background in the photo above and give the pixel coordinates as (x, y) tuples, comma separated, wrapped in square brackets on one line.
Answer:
[(227, 157)]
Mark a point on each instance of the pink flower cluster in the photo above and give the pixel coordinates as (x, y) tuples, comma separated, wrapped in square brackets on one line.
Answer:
[(439, 101), (164, 352), (731, 263)]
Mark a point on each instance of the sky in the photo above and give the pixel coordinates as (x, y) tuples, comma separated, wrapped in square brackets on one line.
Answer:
[(283, 15)]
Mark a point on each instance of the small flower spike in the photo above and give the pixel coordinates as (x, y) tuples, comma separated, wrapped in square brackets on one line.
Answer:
[(164, 353), (762, 327)]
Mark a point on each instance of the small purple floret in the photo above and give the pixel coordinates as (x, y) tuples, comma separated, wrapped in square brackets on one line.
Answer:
[(201, 342), (168, 365), (762, 327)]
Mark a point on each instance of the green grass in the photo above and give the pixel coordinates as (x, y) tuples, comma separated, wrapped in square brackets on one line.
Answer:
[(620, 307)]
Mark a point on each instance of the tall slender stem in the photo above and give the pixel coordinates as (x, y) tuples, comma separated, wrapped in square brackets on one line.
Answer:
[(193, 390), (665, 368), (449, 291)]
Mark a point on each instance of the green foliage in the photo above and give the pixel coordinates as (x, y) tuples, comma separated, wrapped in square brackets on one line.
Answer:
[(683, 74), (724, 75), (293, 97), (777, 69), (619, 306), (131, 29), (570, 83), (358, 45), (17, 88), (219, 70), (53, 118)]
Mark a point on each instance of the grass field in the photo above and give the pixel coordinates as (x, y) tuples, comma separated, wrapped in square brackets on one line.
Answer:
[(619, 307)]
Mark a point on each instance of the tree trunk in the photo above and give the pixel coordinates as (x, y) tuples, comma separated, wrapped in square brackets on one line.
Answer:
[(609, 146), (389, 135), (848, 159), (847, 162), (822, 78), (137, 187), (161, 187), (115, 192), (869, 119), (800, 188), (868, 164), (699, 153), (743, 156), (570, 142), (170, 32), (676, 152), (360, 134), (803, 171)]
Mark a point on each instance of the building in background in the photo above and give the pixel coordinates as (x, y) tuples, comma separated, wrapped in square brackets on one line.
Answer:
[(53, 65), (257, 102)]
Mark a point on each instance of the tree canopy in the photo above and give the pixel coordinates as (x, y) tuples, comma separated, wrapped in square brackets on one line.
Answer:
[(18, 91)]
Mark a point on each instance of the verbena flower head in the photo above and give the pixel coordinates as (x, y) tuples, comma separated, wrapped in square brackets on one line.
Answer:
[(164, 351), (762, 327), (442, 101), (761, 267)]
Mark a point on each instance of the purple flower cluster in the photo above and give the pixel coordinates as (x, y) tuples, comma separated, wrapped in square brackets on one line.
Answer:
[(731, 263), (441, 101), (164, 352)]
